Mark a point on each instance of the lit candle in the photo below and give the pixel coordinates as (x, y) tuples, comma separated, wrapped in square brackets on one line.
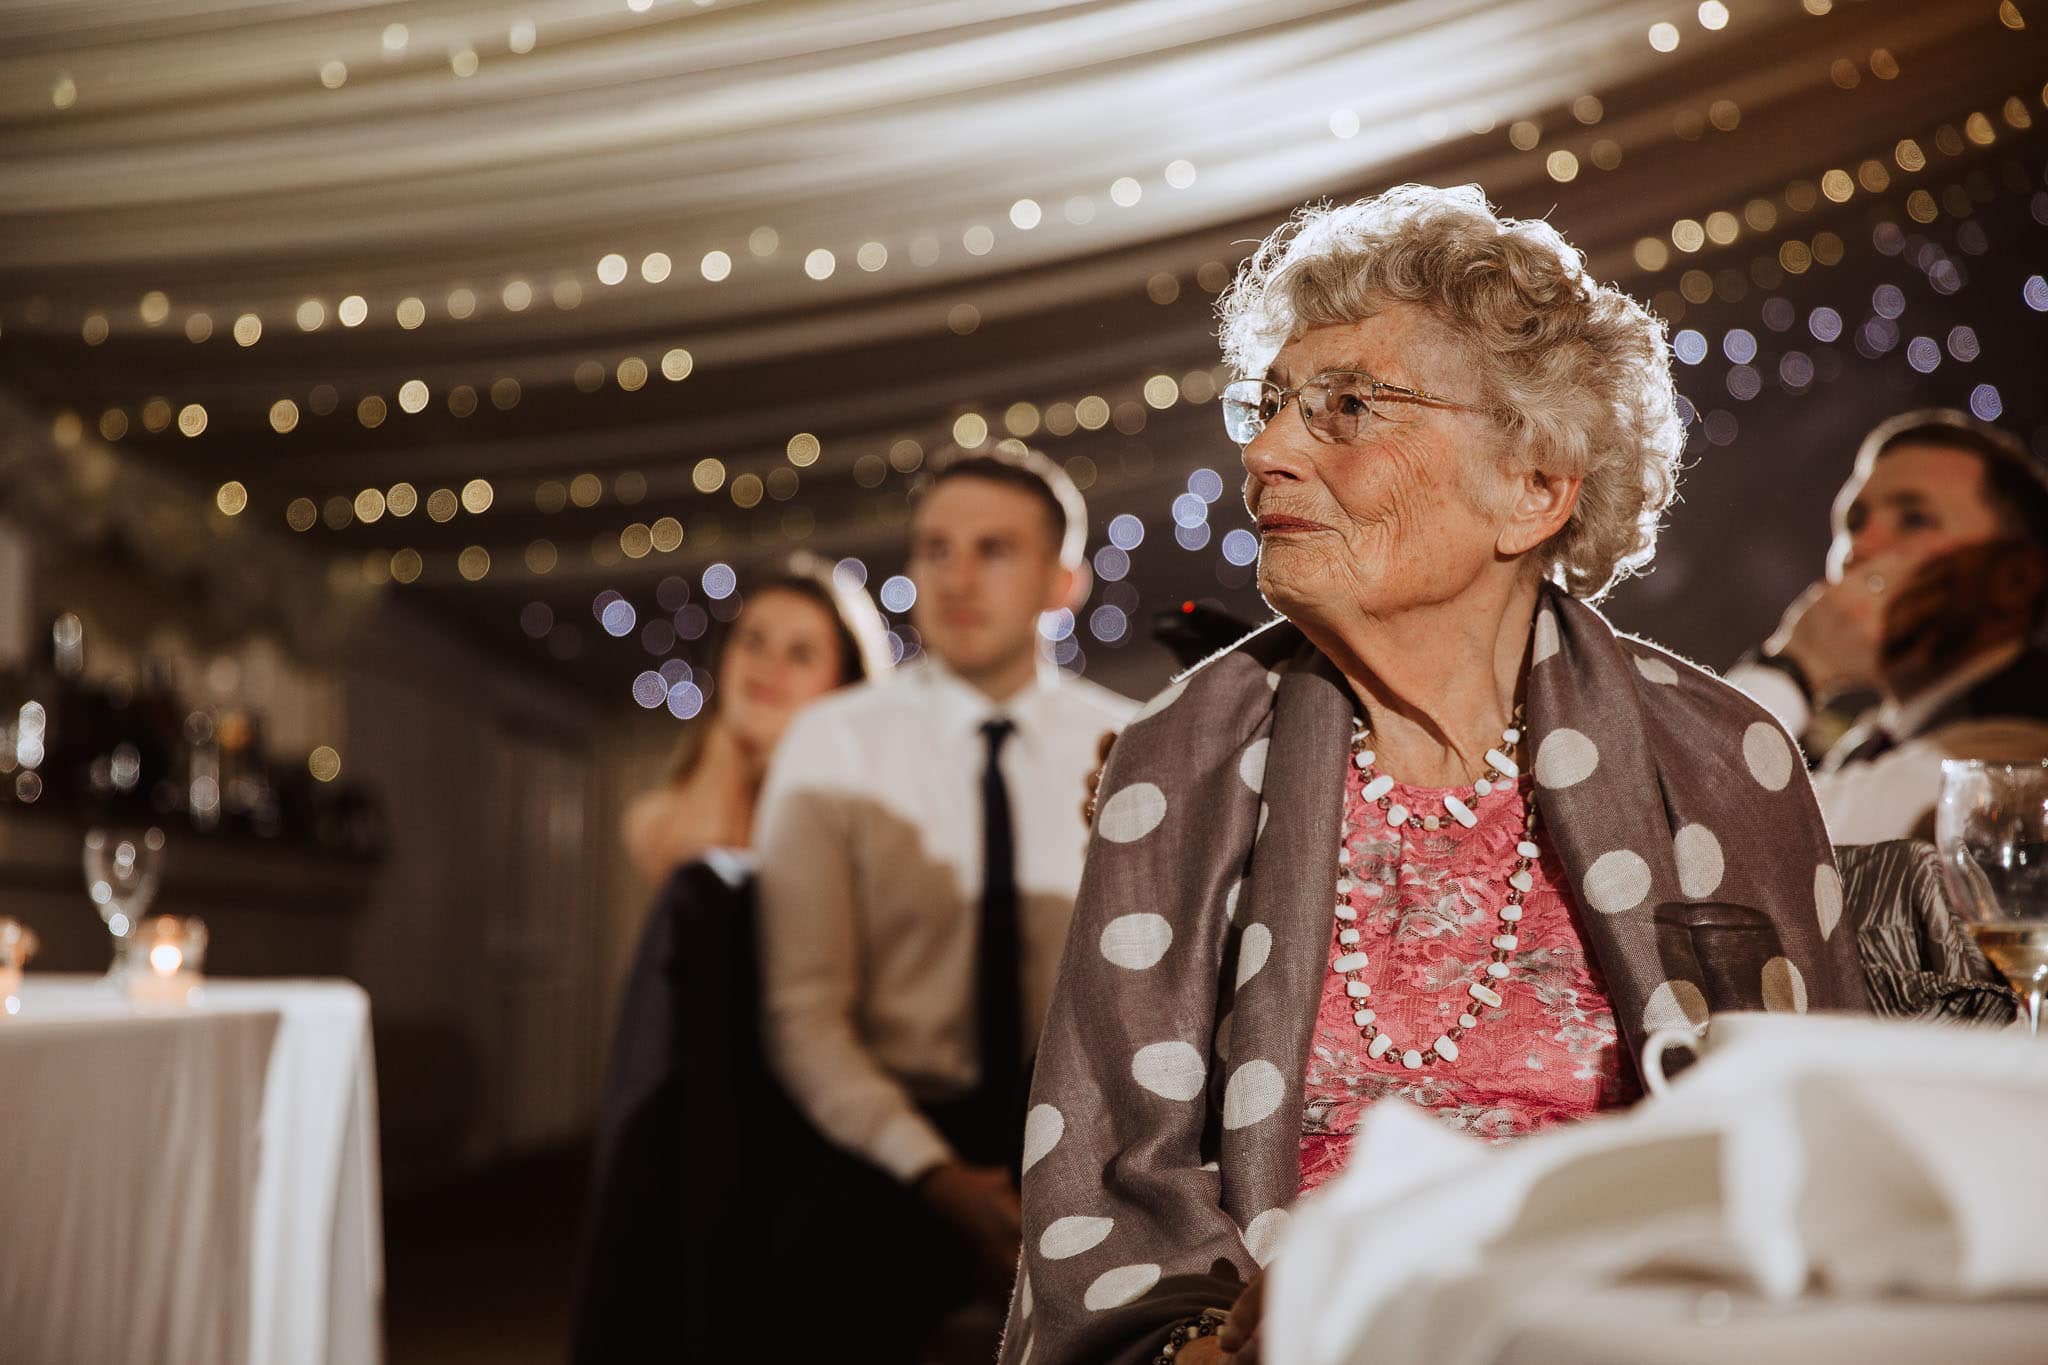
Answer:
[(17, 946), (174, 946)]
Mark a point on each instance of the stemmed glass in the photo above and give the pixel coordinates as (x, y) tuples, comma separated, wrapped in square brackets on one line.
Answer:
[(121, 872), (1991, 826)]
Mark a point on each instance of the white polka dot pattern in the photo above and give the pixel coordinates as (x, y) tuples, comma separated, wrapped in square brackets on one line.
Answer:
[(1134, 812), (1617, 882), (1700, 864), (1675, 1004), (1165, 697), (1656, 670), (1044, 1126), (1253, 1093), (1173, 1070), (1784, 987), (1065, 1237), (1115, 1288), (1253, 951), (1135, 942), (1252, 765), (1565, 759), (1655, 784), (1769, 756), (1262, 1234), (1827, 898)]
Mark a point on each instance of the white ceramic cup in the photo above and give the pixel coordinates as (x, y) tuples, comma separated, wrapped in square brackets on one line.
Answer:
[(1721, 1030)]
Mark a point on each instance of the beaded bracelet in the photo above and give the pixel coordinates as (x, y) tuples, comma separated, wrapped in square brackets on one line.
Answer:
[(1207, 1324)]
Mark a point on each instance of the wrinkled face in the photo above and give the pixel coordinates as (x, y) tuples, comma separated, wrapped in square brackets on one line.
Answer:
[(784, 652), (1405, 516), (986, 563)]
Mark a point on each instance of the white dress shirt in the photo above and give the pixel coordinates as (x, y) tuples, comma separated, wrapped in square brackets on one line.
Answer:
[(1892, 796), (869, 840)]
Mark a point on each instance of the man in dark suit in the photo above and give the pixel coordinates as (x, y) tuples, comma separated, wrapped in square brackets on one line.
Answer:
[(1924, 635)]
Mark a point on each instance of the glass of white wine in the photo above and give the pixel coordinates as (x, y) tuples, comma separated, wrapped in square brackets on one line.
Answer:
[(1991, 826)]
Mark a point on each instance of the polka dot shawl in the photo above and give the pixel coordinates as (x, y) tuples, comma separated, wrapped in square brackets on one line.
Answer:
[(1161, 1143)]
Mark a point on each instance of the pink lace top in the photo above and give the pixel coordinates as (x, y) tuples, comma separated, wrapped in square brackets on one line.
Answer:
[(1427, 903)]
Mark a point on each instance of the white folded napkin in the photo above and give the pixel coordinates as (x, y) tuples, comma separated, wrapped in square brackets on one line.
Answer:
[(1803, 1154)]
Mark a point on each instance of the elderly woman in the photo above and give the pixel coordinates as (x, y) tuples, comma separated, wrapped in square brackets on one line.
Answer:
[(1441, 834)]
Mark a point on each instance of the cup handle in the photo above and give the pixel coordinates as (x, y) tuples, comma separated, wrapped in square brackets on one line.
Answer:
[(1654, 1048)]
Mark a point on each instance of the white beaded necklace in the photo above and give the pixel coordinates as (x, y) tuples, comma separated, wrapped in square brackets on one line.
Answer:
[(1501, 773)]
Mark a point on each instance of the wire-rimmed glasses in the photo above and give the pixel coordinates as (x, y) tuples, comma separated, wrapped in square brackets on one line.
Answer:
[(1337, 406)]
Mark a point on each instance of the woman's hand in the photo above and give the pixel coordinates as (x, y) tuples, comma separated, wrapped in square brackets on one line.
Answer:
[(1239, 1339), (1201, 1351)]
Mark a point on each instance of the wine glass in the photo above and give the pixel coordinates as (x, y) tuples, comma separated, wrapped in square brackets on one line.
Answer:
[(1991, 825), (121, 872)]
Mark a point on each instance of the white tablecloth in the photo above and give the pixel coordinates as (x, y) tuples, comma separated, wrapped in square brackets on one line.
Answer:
[(195, 1184)]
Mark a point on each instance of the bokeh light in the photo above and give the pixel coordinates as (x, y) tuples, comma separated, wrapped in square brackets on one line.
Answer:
[(1056, 625), (898, 594), (1240, 546)]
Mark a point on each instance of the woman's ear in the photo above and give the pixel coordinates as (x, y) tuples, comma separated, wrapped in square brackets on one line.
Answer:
[(1539, 505), (1070, 587)]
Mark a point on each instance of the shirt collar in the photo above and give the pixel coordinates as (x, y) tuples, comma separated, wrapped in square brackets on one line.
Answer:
[(1902, 720), (966, 707)]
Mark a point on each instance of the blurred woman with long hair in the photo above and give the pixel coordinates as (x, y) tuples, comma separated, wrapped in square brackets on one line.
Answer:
[(802, 633), (687, 1240)]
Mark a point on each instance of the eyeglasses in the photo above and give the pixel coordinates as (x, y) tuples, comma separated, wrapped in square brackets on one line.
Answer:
[(1340, 406)]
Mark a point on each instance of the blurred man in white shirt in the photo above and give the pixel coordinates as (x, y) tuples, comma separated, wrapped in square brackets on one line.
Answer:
[(1929, 612), (920, 846)]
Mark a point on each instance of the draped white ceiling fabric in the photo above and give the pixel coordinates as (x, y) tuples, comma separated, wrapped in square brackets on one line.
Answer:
[(859, 219), (201, 153)]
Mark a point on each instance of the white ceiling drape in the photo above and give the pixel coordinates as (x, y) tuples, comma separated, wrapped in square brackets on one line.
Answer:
[(544, 182)]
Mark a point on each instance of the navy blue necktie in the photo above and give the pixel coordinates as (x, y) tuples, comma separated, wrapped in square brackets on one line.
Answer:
[(999, 1005)]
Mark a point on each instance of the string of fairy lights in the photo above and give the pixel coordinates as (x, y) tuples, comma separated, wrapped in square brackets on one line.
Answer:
[(565, 286), (630, 373), (905, 457), (566, 289), (1681, 260), (1687, 237), (683, 688)]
